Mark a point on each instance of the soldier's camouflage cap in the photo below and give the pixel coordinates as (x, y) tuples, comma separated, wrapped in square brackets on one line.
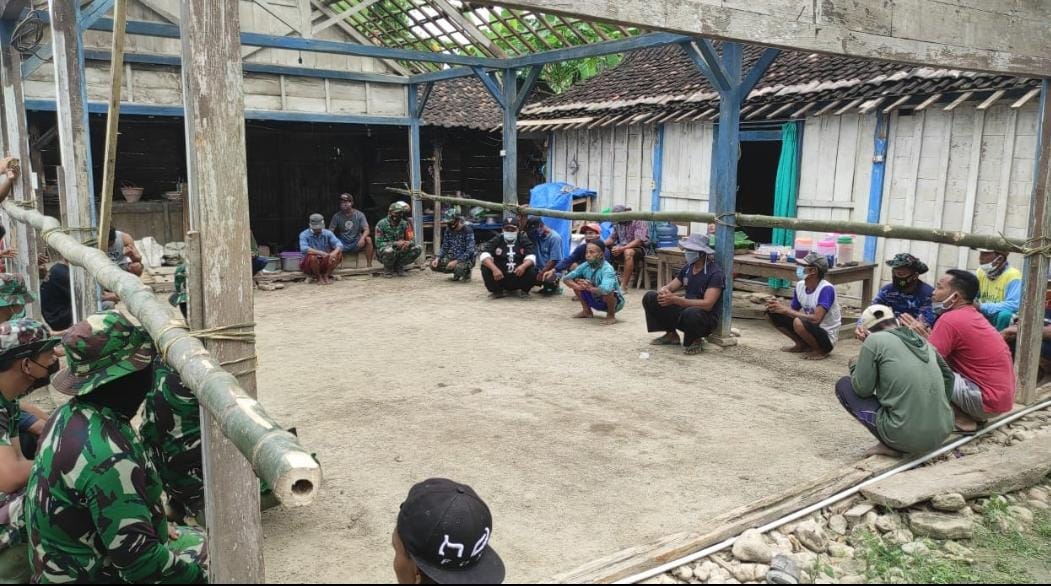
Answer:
[(25, 338), (101, 349), (13, 290)]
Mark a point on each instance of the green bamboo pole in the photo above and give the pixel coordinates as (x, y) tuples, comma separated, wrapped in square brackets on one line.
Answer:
[(275, 454), (963, 239)]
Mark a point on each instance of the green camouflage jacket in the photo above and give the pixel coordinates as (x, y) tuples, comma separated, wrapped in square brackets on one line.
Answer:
[(94, 513), (171, 431), (11, 533), (387, 234)]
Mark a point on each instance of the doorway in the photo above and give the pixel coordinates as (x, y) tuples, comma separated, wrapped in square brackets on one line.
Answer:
[(756, 182)]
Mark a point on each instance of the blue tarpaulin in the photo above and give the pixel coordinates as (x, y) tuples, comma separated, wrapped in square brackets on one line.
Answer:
[(558, 196)]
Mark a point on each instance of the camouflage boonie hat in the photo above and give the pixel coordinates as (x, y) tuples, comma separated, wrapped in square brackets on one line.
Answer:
[(905, 260), (101, 349), (24, 338), (399, 206), (13, 290), (180, 295)]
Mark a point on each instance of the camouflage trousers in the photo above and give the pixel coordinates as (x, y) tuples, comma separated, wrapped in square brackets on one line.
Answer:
[(14, 556), (462, 270), (394, 259), (190, 547)]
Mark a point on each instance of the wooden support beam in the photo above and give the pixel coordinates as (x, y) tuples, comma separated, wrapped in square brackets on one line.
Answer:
[(72, 104), (724, 174), (955, 34), (894, 105), (342, 16), (109, 165), (510, 137), (415, 168), (1025, 99), (16, 144), (436, 172), (849, 106), (360, 38), (959, 100), (468, 27), (1031, 319), (827, 107), (218, 204), (925, 103), (988, 103)]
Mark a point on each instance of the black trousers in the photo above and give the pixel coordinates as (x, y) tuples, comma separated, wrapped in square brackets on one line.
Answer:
[(510, 282), (864, 410), (788, 323), (694, 322)]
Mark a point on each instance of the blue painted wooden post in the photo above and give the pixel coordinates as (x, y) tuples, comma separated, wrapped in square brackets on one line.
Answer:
[(658, 169), (724, 199), (510, 150), (415, 178), (879, 168)]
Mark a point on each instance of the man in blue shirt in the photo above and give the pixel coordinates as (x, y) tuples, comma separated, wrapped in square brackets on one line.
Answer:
[(458, 250), (548, 255), (906, 294), (322, 251)]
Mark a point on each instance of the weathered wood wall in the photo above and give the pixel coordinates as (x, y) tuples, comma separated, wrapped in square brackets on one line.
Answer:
[(616, 162)]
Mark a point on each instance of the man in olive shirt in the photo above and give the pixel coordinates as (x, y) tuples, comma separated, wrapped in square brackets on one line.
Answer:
[(899, 387)]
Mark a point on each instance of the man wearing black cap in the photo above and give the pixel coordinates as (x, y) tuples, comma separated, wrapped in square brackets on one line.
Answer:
[(443, 535), (352, 228), (509, 262), (322, 251)]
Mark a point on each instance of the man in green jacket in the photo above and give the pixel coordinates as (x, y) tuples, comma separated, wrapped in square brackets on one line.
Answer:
[(898, 388)]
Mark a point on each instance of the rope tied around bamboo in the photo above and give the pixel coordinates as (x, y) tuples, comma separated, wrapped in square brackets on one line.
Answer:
[(956, 238)]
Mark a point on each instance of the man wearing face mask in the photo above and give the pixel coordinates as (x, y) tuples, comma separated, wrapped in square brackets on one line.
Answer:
[(906, 294), (627, 244), (1000, 288), (975, 351), (94, 512), (813, 319), (509, 262), (395, 244), (595, 283), (27, 362), (548, 254), (458, 250), (696, 314)]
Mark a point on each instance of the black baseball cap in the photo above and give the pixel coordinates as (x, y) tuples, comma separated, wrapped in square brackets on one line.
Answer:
[(446, 529)]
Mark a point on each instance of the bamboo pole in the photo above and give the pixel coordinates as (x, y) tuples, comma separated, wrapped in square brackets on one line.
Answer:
[(275, 454), (109, 165), (963, 239)]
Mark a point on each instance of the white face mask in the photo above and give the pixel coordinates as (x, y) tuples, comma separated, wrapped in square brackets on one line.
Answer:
[(692, 256), (510, 237), (944, 306), (988, 267)]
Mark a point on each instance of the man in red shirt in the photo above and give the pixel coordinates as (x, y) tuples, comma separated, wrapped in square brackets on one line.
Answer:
[(974, 350)]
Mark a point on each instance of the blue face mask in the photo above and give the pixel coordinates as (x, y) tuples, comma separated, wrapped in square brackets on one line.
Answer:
[(20, 314), (800, 273)]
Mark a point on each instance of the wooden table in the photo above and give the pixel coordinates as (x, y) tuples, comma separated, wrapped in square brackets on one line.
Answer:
[(670, 260)]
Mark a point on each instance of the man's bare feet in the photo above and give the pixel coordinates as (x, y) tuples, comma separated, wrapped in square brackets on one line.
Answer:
[(882, 450), (584, 315), (814, 356), (610, 320), (797, 349)]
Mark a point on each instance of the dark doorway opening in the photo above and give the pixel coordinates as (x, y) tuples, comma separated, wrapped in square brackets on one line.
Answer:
[(756, 180)]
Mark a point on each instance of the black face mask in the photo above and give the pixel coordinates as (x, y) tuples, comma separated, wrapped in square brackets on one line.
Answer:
[(903, 283), (43, 381), (124, 395)]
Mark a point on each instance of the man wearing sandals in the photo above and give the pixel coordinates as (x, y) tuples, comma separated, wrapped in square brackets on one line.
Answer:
[(813, 319), (696, 313)]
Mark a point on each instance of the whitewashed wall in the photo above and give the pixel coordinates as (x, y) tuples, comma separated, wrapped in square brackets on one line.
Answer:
[(158, 85), (615, 162), (687, 168)]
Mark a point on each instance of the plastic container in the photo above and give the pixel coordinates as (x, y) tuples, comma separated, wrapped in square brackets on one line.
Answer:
[(667, 235), (827, 249), (804, 244), (273, 264), (845, 249), (290, 261)]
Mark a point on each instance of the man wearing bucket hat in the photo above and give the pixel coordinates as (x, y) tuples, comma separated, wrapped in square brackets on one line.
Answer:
[(696, 313), (395, 240), (14, 296), (458, 249), (899, 387), (322, 251), (813, 319), (94, 512), (627, 243), (906, 294), (27, 362), (443, 536)]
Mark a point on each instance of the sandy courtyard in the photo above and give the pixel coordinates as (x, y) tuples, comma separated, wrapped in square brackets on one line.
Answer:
[(580, 445)]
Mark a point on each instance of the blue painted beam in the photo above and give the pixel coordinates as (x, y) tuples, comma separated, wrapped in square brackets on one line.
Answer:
[(415, 167), (527, 87), (88, 17), (716, 72), (758, 71), (454, 73), (879, 169), (658, 169), (760, 135), (418, 113), (176, 61), (492, 85), (43, 105), (510, 138), (702, 64)]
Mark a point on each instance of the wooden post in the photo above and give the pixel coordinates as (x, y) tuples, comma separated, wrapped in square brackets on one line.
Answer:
[(1031, 319), (71, 100), (724, 181), (437, 191), (510, 150), (120, 19), (415, 180), (16, 140), (212, 85)]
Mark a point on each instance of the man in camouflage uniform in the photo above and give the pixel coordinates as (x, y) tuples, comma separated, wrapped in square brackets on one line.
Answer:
[(94, 512), (14, 296), (171, 430), (395, 244), (27, 361), (180, 298)]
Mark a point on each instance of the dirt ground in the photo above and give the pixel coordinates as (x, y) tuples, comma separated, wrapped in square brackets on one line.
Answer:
[(580, 443)]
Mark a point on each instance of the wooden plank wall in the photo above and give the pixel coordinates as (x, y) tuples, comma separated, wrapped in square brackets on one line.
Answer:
[(687, 168), (158, 85), (616, 162)]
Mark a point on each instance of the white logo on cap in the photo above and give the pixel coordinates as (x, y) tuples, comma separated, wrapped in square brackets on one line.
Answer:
[(457, 546), (484, 541)]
